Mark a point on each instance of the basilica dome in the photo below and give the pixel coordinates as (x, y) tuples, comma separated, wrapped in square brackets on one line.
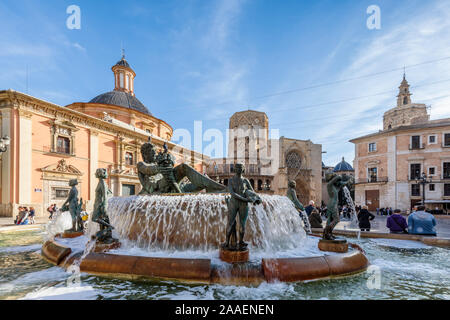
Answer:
[(343, 166), (121, 99)]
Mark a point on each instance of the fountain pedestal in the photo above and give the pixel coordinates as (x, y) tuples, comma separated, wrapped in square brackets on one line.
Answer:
[(233, 256), (337, 245), (101, 247)]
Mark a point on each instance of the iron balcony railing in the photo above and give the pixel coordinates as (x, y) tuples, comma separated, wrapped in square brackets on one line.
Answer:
[(372, 180), (227, 169), (418, 146)]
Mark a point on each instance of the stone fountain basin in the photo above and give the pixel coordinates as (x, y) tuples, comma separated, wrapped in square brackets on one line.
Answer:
[(203, 271)]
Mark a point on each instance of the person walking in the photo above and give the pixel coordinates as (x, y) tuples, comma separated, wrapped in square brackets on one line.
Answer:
[(51, 210), (421, 222), (364, 218), (396, 223)]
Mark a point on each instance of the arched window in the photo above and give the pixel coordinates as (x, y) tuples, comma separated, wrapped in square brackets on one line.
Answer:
[(128, 158), (293, 164), (128, 82), (260, 185), (405, 100), (252, 182), (121, 77)]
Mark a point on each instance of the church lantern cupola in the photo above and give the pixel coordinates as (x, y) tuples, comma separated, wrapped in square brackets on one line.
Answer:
[(404, 96), (123, 76)]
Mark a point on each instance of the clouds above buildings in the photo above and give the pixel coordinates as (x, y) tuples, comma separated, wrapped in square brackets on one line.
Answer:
[(314, 68)]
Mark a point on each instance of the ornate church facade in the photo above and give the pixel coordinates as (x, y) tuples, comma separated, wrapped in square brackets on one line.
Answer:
[(269, 163), (51, 144)]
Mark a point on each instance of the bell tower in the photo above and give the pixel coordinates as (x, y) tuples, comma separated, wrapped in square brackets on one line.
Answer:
[(404, 96), (123, 76)]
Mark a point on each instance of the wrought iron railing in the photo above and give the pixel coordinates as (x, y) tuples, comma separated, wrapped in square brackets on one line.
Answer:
[(372, 180)]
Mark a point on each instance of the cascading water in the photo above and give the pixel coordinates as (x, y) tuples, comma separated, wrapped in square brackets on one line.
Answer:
[(198, 222), (60, 221), (306, 224), (354, 218)]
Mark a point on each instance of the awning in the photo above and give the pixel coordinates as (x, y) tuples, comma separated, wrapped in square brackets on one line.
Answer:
[(437, 201)]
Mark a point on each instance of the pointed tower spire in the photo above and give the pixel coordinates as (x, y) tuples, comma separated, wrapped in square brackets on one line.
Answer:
[(404, 96)]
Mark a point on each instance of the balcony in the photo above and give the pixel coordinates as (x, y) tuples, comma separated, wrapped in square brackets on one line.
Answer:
[(416, 146), (228, 169), (372, 180), (59, 150)]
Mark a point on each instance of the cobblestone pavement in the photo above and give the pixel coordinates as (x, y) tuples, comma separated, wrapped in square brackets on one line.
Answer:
[(379, 225)]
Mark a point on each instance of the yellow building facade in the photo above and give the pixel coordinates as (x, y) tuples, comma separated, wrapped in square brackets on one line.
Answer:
[(51, 144)]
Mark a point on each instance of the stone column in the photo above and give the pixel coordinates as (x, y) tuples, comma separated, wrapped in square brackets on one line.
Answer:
[(93, 163), (25, 157), (6, 157)]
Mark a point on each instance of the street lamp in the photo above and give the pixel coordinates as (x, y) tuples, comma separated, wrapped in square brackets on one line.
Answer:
[(4, 143), (423, 180)]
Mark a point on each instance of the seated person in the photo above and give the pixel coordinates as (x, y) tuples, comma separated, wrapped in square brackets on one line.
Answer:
[(421, 222), (315, 220), (32, 215), (396, 223), (20, 215), (25, 216)]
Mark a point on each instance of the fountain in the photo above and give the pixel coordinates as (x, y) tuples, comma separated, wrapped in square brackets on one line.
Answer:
[(171, 231)]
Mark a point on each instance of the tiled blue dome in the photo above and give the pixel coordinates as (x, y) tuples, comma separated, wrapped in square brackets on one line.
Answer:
[(343, 166)]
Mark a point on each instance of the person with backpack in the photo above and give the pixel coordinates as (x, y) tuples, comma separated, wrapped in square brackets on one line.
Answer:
[(396, 223)]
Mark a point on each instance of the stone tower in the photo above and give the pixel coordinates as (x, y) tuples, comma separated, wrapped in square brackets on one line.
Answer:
[(406, 112), (404, 96), (248, 137)]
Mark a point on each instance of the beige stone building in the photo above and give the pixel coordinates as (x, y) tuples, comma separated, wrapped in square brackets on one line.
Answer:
[(52, 144), (270, 163), (388, 163)]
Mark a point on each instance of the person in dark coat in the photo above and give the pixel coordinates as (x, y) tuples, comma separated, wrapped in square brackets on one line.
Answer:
[(396, 223), (315, 220), (310, 208), (364, 218)]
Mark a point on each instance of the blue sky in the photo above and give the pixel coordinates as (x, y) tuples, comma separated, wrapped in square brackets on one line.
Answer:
[(205, 60)]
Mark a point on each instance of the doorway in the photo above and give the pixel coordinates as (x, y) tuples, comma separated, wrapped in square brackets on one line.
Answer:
[(373, 199)]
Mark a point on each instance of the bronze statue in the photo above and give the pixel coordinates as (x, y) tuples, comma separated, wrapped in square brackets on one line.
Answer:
[(166, 163), (242, 193), (292, 195), (74, 207), (158, 174), (100, 214), (335, 183)]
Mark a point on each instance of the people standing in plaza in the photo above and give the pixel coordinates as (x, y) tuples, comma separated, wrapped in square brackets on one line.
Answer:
[(421, 222), (364, 218), (396, 223)]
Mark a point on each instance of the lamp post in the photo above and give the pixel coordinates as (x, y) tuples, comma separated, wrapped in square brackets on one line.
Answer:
[(4, 143), (423, 180)]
